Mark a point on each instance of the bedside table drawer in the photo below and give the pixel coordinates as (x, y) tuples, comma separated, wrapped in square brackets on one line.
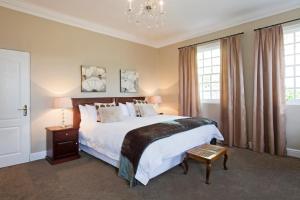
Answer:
[(62, 136), (65, 149)]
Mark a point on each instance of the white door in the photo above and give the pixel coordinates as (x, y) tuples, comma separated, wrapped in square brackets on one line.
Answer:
[(14, 98)]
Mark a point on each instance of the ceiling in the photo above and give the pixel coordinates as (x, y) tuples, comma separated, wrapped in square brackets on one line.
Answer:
[(185, 19)]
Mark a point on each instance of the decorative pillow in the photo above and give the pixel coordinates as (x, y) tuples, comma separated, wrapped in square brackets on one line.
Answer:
[(147, 110), (91, 112), (111, 114), (103, 105), (124, 109), (138, 102), (131, 109)]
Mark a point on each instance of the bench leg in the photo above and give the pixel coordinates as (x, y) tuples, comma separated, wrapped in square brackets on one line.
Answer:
[(225, 161), (208, 169), (185, 165)]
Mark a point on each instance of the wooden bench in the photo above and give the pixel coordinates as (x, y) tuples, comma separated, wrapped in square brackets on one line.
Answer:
[(206, 153)]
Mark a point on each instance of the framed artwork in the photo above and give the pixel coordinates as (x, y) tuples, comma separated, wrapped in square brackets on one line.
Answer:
[(93, 79), (129, 81)]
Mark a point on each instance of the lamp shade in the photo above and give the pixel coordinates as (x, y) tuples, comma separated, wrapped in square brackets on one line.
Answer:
[(62, 102), (155, 99)]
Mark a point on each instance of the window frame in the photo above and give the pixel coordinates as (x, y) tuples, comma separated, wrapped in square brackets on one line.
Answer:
[(209, 46), (288, 29)]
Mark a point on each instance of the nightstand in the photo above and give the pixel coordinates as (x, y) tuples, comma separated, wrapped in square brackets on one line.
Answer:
[(62, 144)]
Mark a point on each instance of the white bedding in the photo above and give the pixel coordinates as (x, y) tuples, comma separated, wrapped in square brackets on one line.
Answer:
[(107, 139)]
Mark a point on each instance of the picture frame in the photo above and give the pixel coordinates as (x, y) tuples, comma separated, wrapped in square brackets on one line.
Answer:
[(129, 80), (93, 79)]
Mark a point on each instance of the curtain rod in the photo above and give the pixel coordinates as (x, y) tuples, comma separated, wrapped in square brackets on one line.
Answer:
[(211, 40), (277, 24)]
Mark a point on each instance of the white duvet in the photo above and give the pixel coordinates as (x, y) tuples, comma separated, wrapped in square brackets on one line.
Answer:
[(107, 139)]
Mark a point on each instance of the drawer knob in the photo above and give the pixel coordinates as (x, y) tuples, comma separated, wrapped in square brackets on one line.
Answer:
[(67, 134)]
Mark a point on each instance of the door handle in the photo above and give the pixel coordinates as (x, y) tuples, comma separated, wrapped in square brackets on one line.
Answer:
[(24, 110)]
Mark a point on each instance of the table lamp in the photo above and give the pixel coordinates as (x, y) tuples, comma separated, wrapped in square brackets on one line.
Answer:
[(62, 103)]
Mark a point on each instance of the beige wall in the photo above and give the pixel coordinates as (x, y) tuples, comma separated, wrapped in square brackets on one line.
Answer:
[(168, 57), (57, 51)]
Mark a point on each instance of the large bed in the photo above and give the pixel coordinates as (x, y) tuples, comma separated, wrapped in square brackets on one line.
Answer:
[(104, 140)]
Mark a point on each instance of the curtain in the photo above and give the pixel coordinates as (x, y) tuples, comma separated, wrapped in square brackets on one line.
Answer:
[(269, 101), (233, 111), (189, 103)]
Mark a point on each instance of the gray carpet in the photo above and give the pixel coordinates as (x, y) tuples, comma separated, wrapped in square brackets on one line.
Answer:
[(250, 176)]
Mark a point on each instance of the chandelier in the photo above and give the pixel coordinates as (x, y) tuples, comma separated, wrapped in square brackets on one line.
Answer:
[(149, 13)]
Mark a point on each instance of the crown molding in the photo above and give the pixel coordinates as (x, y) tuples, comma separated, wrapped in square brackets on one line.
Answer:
[(236, 22), (38, 11)]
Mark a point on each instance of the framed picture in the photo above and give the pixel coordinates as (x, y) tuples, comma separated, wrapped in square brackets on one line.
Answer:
[(129, 81), (93, 79)]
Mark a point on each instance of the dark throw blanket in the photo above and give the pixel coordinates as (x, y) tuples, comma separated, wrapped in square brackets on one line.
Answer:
[(137, 140)]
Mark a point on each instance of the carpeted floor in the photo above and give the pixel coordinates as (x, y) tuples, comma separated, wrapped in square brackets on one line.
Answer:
[(250, 176)]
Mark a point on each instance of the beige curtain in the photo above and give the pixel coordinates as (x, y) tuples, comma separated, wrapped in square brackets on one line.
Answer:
[(269, 103), (189, 104), (233, 111)]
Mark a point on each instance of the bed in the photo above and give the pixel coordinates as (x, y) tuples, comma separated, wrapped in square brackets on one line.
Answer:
[(104, 140)]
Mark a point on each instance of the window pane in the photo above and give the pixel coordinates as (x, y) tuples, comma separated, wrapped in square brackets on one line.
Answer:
[(289, 49), (200, 63), (216, 53), (215, 86), (216, 69), (206, 78), (289, 71), (206, 87), (297, 96), (289, 94), (298, 59), (297, 47), (215, 78), (207, 62), (200, 71), (216, 61), (215, 95), (207, 54), (289, 82), (288, 38), (297, 81), (207, 70), (298, 36), (199, 55), (289, 60), (297, 70), (206, 96)]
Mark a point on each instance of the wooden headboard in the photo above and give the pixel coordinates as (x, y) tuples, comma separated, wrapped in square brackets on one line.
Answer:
[(83, 101)]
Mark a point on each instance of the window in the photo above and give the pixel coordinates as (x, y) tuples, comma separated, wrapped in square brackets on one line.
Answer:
[(292, 62), (208, 62)]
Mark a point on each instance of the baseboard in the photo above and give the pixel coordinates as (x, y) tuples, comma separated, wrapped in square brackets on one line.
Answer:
[(38, 155), (293, 152)]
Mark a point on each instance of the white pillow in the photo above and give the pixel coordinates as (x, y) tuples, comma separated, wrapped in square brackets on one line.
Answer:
[(111, 114), (124, 109), (83, 114), (147, 110), (131, 109), (91, 112)]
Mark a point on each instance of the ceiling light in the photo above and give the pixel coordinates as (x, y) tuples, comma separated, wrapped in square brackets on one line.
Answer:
[(148, 13)]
